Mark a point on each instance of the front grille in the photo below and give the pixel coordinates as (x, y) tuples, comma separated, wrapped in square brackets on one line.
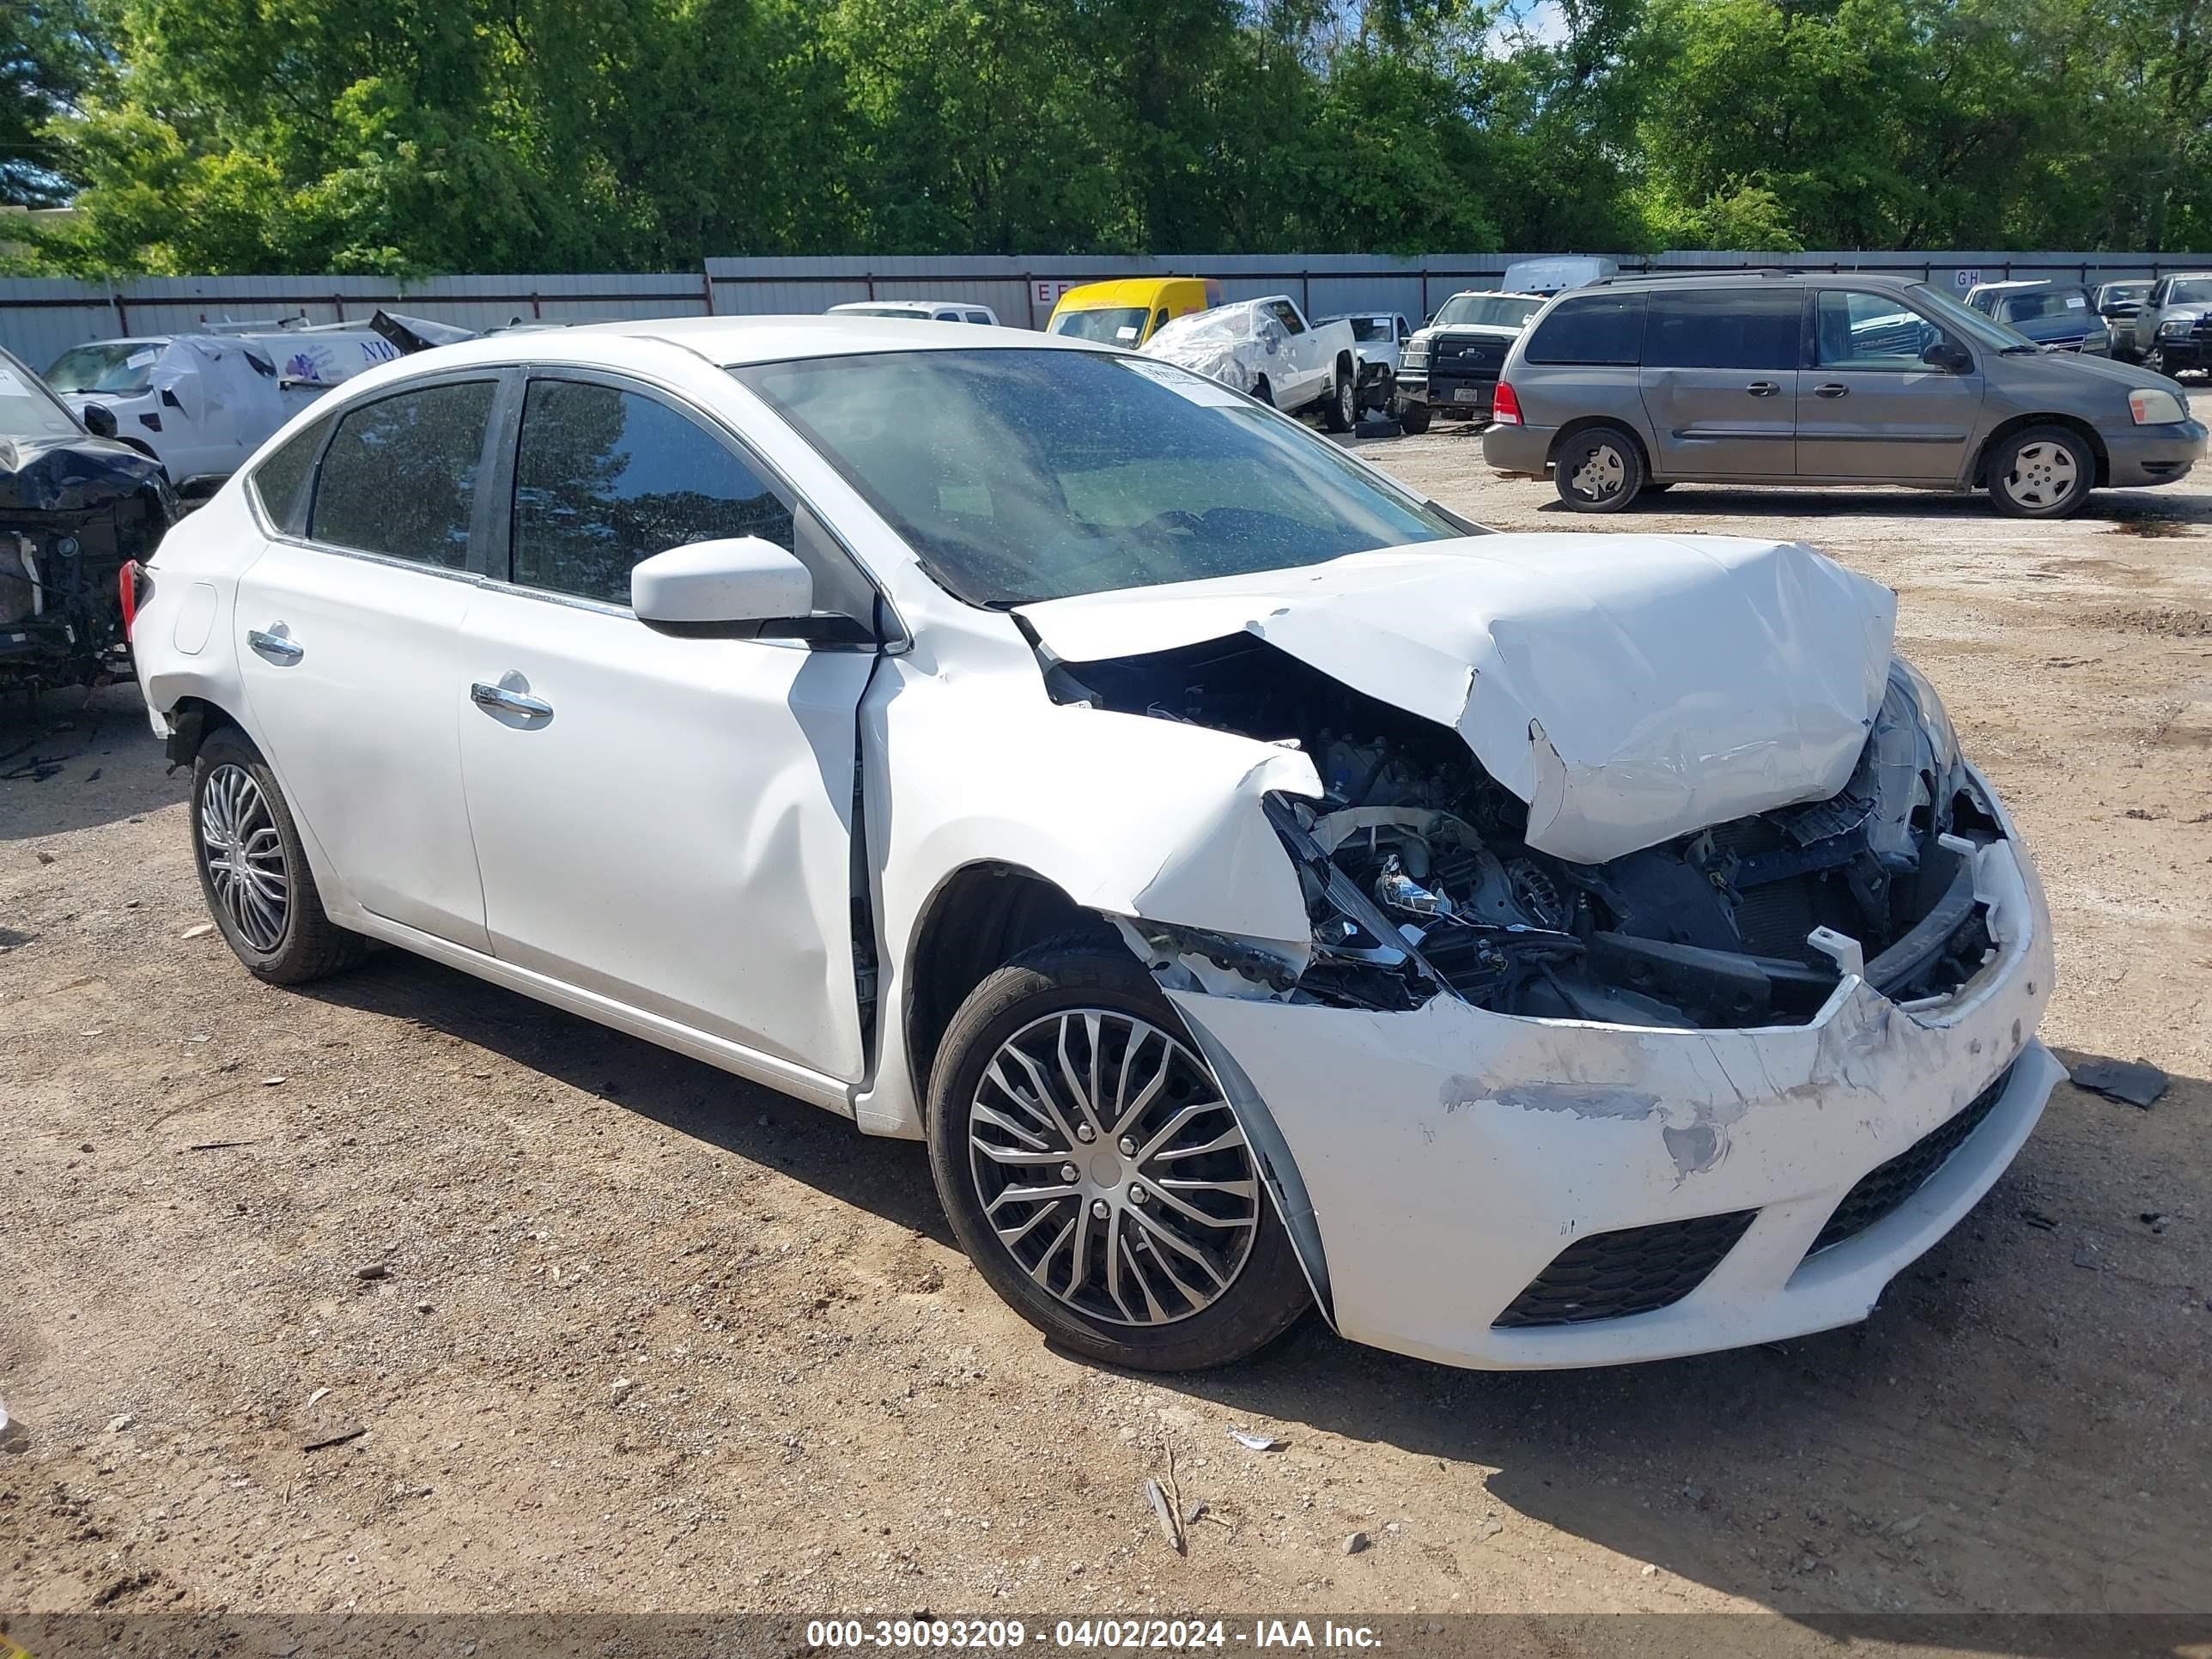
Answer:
[(1611, 1275), (1883, 1190)]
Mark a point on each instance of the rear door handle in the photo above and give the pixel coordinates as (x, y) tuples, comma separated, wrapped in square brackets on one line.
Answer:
[(274, 647), (1833, 389), (500, 700), (1762, 388)]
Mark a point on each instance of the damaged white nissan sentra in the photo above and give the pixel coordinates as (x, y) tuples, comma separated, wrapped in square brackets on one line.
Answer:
[(1259, 886)]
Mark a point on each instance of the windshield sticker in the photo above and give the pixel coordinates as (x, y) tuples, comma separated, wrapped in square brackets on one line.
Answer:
[(140, 359), (1210, 393), (10, 386), (1124, 333), (2076, 302)]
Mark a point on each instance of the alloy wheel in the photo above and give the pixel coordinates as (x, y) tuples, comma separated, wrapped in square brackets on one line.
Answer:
[(244, 857), (1110, 1168), (2042, 475)]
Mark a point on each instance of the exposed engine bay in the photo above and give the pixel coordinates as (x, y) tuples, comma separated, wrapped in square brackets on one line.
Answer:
[(1418, 881)]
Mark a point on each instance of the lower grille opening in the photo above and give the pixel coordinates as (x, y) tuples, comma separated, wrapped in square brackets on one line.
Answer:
[(1883, 1190), (1636, 1270)]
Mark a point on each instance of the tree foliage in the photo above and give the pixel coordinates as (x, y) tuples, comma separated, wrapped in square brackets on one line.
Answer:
[(408, 135)]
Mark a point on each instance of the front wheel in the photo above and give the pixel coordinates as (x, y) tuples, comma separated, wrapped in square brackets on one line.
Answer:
[(1413, 420), (1095, 1175), (1598, 469), (2045, 473), (254, 871), (1341, 413), (1263, 392)]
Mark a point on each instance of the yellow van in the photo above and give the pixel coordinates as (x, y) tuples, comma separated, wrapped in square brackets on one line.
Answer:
[(1125, 313)]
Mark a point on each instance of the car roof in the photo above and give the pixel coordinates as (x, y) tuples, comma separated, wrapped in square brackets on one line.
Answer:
[(1492, 293), (733, 340), (1120, 291), (1752, 276)]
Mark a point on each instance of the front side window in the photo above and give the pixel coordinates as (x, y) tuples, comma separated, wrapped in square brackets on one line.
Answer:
[(604, 478), (1287, 315), (1114, 325), (1869, 332), (1724, 328), (1030, 474), (400, 475), (1601, 329)]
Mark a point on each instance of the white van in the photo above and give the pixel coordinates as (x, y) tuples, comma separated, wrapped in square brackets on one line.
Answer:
[(927, 311), (1555, 275)]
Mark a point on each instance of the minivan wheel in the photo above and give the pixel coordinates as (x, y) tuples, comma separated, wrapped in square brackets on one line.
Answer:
[(1413, 420), (1095, 1174), (1598, 469), (2045, 473), (1343, 412), (254, 872)]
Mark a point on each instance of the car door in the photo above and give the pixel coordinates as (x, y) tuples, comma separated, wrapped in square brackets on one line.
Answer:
[(1720, 380), (347, 630), (2146, 318), (1872, 406), (1302, 384), (661, 819)]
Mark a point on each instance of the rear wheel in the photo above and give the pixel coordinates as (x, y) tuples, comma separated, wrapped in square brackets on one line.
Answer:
[(1413, 420), (1598, 469), (1341, 413), (254, 871), (2045, 473), (1095, 1173), (1263, 392)]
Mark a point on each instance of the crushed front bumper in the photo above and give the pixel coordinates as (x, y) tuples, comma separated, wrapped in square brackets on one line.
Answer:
[(1450, 1155)]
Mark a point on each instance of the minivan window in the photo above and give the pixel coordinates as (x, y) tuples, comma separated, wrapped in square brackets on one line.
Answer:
[(605, 478), (1601, 328), (1724, 328), (1869, 332), (400, 475), (281, 484)]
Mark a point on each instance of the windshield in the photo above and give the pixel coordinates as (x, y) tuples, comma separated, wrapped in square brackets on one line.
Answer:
[(1036, 474), (116, 367), (1969, 322), (1372, 328), (2196, 291), (1492, 310), (925, 312), (1116, 325), (28, 409), (2034, 305)]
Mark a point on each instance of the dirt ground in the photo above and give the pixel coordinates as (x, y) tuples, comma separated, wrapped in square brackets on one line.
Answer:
[(643, 1336)]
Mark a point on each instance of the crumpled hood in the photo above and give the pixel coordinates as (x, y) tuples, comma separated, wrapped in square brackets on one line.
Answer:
[(69, 474), (1629, 688)]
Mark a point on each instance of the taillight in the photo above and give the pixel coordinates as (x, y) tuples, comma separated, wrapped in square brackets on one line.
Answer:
[(129, 590), (1504, 406)]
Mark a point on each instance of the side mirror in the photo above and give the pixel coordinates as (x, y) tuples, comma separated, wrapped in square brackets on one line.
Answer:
[(1952, 359), (740, 580), (100, 420)]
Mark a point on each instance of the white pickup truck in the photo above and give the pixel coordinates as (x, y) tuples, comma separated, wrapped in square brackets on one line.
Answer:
[(1266, 347)]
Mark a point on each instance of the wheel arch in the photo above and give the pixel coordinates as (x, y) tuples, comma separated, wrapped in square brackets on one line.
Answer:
[(1583, 423), (2007, 429), (192, 720)]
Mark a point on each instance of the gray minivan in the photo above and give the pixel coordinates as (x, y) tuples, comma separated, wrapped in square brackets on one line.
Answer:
[(1791, 377)]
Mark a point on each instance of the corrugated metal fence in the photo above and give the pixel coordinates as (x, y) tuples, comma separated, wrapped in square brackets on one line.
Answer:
[(40, 318)]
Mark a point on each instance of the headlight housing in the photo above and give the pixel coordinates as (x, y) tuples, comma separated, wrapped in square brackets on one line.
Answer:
[(2176, 329), (1935, 718), (2153, 407)]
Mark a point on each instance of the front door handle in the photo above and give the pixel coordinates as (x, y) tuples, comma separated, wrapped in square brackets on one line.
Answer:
[(274, 647), (501, 701), (1833, 389), (1762, 388)]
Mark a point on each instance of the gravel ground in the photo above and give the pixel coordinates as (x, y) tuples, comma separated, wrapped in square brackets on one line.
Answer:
[(407, 1294)]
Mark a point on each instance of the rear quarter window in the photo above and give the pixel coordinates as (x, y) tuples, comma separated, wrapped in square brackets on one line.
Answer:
[(283, 482), (1595, 329)]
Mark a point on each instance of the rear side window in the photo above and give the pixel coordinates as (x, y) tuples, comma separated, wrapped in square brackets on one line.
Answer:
[(1724, 328), (400, 475), (1601, 328), (283, 482), (605, 478)]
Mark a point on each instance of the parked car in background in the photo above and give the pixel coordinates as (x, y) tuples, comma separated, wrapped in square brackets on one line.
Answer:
[(1267, 348), (927, 311), (2173, 330), (1380, 336), (1556, 273), (1129, 311), (1254, 886), (1809, 377), (2056, 316), (2117, 304), (76, 507), (1453, 362)]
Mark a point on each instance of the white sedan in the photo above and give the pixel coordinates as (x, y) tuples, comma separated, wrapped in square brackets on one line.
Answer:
[(1259, 887)]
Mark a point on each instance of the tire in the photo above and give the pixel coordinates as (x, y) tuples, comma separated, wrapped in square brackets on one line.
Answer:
[(235, 802), (1413, 420), (1051, 1001), (1263, 392), (2154, 360), (2045, 473), (1341, 412), (1598, 469)]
